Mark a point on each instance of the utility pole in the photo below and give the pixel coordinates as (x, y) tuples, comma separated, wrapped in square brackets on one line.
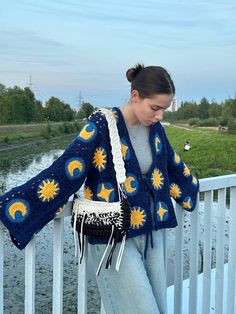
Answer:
[(80, 99), (30, 82)]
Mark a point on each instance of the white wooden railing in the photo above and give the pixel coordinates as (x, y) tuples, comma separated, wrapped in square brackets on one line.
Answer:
[(206, 186)]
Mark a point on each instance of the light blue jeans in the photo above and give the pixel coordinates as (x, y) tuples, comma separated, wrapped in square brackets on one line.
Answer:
[(139, 287)]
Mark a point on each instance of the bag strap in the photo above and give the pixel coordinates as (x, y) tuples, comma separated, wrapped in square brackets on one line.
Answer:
[(115, 145)]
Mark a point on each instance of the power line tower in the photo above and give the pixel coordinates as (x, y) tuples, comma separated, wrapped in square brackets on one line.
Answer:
[(80, 99), (30, 82)]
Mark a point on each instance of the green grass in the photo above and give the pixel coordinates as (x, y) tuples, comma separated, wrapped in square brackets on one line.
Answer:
[(13, 133), (212, 153)]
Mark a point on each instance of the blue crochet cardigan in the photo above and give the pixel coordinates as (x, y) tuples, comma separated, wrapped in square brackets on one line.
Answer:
[(26, 209)]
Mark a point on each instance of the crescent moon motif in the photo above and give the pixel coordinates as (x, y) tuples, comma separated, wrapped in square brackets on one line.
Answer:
[(17, 210), (74, 167), (88, 132), (131, 184), (158, 144)]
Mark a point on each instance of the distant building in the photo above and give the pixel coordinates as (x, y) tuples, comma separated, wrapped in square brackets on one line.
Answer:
[(174, 105)]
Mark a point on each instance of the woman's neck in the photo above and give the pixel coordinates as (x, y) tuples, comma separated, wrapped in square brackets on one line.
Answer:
[(129, 115)]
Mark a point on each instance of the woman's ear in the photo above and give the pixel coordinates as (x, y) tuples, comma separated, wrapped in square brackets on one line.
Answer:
[(134, 97)]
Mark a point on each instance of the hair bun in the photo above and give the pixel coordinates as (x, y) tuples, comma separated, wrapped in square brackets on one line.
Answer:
[(133, 72)]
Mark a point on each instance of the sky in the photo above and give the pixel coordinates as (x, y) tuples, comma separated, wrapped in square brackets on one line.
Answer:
[(72, 48)]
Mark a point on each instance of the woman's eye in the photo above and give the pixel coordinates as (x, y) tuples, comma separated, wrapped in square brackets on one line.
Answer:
[(155, 109)]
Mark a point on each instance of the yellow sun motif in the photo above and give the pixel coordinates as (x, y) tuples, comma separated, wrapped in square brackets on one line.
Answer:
[(99, 158), (88, 193), (47, 190), (175, 191), (157, 179), (186, 171), (138, 217), (105, 193), (161, 212), (177, 158), (124, 149)]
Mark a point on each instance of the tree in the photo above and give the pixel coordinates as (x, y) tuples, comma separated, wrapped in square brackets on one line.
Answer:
[(203, 108), (85, 110), (215, 110)]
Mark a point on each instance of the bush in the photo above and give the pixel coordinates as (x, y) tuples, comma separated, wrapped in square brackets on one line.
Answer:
[(47, 131), (232, 126), (6, 139), (67, 128), (208, 122), (193, 121)]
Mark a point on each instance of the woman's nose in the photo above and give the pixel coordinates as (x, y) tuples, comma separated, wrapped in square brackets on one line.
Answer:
[(159, 115)]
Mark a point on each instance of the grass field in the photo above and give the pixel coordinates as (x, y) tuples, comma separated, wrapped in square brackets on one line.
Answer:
[(212, 153), (19, 132)]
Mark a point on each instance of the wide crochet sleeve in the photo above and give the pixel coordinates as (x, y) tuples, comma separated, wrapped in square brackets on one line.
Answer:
[(27, 208), (184, 186)]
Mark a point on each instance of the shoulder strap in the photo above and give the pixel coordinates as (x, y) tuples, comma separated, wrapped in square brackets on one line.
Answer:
[(115, 145)]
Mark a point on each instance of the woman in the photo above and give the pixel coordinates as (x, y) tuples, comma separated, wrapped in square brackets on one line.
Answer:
[(154, 172)]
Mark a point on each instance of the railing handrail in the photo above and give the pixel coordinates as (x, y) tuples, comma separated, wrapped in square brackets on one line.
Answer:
[(206, 184)]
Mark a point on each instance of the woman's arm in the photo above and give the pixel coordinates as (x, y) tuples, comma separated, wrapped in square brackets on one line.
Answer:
[(26, 209), (184, 186)]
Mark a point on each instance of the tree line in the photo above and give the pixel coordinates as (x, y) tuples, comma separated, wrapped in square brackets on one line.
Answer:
[(19, 105), (221, 113)]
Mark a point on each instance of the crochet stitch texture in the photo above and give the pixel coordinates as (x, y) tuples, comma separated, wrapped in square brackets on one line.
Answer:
[(26, 209)]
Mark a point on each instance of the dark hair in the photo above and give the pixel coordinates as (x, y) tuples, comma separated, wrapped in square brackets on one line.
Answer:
[(149, 81)]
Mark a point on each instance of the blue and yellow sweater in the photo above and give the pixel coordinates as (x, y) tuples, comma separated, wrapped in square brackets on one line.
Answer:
[(26, 209)]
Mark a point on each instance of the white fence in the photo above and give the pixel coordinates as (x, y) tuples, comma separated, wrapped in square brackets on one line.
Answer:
[(207, 186)]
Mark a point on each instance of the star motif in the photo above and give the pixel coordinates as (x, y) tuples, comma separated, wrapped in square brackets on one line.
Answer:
[(105, 193)]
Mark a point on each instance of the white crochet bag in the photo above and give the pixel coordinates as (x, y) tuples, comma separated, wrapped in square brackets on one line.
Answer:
[(104, 219)]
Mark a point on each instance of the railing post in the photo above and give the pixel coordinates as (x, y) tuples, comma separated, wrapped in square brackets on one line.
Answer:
[(219, 282), (58, 239), (82, 280), (178, 281), (232, 253), (30, 277), (193, 275), (206, 291)]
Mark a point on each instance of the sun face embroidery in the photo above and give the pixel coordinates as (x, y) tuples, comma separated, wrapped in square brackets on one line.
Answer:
[(157, 179), (137, 218), (105, 191), (187, 203), (125, 149), (88, 133), (17, 210), (162, 211), (175, 191), (47, 190), (186, 171), (131, 184), (74, 168), (100, 158), (157, 144), (177, 159), (88, 193)]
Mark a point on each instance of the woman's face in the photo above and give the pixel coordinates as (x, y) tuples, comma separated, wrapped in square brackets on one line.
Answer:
[(150, 110)]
